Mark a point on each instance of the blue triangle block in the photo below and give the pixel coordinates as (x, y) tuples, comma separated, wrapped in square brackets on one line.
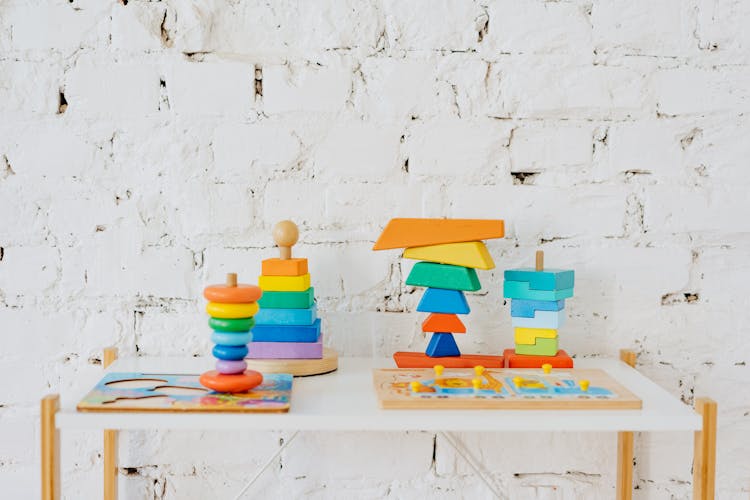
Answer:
[(442, 345), (440, 300)]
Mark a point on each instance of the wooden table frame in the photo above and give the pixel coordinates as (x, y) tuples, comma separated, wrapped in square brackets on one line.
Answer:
[(704, 451)]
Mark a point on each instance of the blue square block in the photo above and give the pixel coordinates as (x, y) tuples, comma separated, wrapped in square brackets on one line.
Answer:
[(525, 308), (548, 279), (287, 316), (521, 290), (287, 333)]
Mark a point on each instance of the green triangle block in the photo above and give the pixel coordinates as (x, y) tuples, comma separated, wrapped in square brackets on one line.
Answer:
[(433, 275)]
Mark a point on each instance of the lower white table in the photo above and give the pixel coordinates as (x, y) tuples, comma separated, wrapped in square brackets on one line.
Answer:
[(345, 400)]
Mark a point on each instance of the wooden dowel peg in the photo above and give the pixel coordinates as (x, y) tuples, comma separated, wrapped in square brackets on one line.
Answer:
[(285, 234), (540, 260), (231, 279)]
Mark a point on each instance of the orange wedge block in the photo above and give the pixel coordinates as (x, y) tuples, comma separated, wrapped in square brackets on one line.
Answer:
[(403, 233)]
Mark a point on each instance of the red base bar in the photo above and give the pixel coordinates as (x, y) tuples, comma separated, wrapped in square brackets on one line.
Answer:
[(421, 360), (560, 360)]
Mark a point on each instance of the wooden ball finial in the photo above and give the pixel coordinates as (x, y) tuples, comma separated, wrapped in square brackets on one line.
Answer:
[(285, 234)]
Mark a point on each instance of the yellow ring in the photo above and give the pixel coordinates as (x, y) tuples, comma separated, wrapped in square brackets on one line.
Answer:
[(231, 311)]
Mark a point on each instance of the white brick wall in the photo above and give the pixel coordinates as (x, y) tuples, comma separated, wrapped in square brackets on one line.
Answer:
[(613, 134)]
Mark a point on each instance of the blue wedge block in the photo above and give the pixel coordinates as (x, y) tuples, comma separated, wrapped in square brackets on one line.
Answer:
[(442, 345), (287, 316), (287, 333), (520, 308), (440, 300)]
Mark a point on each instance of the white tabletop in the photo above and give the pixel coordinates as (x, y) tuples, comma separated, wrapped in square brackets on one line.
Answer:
[(345, 400)]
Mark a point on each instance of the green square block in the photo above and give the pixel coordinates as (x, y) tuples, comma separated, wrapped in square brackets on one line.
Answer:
[(287, 300), (521, 290), (549, 279), (433, 275), (543, 347)]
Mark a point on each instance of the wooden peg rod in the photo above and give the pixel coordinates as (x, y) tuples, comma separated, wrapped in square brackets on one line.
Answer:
[(231, 279), (540, 260), (285, 234)]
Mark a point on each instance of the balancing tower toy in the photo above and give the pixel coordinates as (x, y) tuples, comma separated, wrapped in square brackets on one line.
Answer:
[(231, 308), (450, 251), (287, 336), (537, 310)]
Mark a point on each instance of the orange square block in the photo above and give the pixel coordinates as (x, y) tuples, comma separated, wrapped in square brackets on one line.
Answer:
[(285, 267), (560, 360)]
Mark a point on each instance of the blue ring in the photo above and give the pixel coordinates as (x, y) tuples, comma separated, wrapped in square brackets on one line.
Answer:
[(233, 339), (229, 352)]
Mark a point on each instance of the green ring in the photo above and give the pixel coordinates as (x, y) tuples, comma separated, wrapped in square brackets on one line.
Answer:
[(231, 325)]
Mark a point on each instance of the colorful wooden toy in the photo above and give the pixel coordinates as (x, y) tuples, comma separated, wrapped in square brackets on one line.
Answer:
[(288, 300), (422, 360), (472, 254), (451, 253), (440, 322), (442, 344), (430, 274), (537, 302), (159, 392), (231, 321), (527, 308), (402, 233), (284, 283), (498, 388), (287, 316), (231, 311), (287, 335), (438, 300)]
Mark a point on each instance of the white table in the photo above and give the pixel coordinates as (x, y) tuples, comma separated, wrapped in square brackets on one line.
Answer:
[(346, 400)]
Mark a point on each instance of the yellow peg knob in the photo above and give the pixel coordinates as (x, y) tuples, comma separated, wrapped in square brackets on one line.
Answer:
[(438, 370), (517, 381), (479, 370), (547, 368), (584, 385), (414, 386), (476, 383)]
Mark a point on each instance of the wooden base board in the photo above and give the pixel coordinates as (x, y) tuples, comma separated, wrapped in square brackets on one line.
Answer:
[(297, 367), (501, 388), (421, 360), (561, 360)]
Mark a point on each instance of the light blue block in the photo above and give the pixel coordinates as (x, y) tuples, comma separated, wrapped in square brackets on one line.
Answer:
[(440, 300), (287, 316), (520, 308), (521, 290), (549, 279), (541, 319), (231, 338)]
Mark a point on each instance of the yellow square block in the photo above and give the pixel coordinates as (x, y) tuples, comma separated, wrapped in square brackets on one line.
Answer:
[(284, 283), (466, 254), (528, 336)]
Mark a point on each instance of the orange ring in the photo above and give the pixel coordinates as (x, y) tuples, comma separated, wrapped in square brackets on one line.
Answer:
[(239, 294), (240, 382)]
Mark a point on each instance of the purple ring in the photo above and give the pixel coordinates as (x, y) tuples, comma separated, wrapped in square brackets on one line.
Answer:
[(229, 367)]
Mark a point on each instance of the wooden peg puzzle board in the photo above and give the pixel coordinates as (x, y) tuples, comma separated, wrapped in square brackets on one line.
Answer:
[(453, 389), (161, 392)]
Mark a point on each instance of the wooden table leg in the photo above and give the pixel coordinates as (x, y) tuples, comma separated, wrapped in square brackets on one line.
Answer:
[(110, 442), (625, 447), (50, 448), (704, 452)]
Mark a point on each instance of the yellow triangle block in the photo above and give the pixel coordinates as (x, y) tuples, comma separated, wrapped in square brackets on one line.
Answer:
[(467, 254)]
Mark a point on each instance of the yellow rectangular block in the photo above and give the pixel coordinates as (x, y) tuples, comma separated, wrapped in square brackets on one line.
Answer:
[(284, 283), (528, 336), (472, 254)]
